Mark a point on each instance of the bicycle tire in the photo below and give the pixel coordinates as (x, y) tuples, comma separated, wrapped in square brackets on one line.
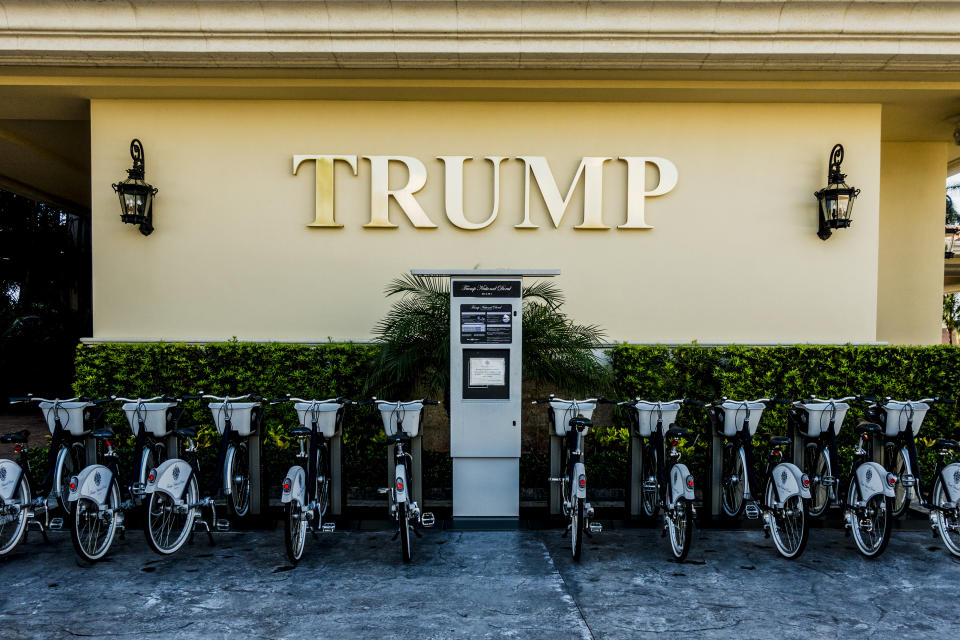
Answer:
[(165, 532), (238, 475), (649, 496), (900, 468), (732, 492), (12, 530), (576, 529), (789, 538), (871, 541), (323, 486), (90, 540), (948, 524), (817, 467), (680, 528), (67, 467), (404, 523), (295, 530)]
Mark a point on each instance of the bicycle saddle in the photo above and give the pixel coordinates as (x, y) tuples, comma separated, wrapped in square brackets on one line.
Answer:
[(677, 432), (940, 443), (17, 436), (778, 441), (868, 427), (187, 432), (301, 432), (580, 423), (102, 432)]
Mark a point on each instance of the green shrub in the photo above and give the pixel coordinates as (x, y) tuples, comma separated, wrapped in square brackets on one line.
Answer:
[(742, 372)]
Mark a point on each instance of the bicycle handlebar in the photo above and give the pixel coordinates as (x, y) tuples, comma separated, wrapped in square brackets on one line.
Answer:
[(140, 400)]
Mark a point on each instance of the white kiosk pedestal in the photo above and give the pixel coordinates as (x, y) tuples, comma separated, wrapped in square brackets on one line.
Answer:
[(486, 313)]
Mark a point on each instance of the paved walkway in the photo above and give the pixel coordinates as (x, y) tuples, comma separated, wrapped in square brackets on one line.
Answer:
[(473, 584)]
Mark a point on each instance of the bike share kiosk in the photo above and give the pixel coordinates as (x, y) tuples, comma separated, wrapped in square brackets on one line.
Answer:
[(486, 321)]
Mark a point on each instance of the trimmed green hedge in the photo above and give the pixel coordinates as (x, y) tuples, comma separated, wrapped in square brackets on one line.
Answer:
[(651, 372), (740, 372), (235, 368)]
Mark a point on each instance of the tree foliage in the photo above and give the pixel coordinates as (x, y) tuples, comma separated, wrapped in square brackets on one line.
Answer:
[(414, 340)]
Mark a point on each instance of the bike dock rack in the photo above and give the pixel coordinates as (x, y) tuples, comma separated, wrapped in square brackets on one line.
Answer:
[(556, 471)]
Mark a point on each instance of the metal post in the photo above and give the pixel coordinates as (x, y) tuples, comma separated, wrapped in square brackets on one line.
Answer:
[(336, 477), (716, 474), (635, 490), (90, 451), (253, 453), (556, 471)]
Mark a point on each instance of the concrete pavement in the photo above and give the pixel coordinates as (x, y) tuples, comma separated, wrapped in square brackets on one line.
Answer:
[(481, 584)]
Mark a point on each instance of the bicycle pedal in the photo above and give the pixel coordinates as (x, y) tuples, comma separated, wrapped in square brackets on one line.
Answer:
[(222, 524), (383, 491), (555, 479), (908, 481), (328, 527), (828, 481), (56, 524), (427, 520), (138, 489), (751, 511), (649, 484), (596, 527)]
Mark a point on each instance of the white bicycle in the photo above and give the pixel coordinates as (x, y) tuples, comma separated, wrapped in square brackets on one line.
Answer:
[(401, 422), (570, 419)]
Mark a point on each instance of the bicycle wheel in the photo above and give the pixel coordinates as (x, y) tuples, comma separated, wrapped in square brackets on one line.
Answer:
[(817, 462), (789, 526), (650, 486), (93, 529), (14, 525), (295, 530), (169, 524), (948, 522), (734, 477), (576, 528), (239, 479), (323, 484), (680, 528), (404, 523), (900, 468), (67, 467), (871, 526)]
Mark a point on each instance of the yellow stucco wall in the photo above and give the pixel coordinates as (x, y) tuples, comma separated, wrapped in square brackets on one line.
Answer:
[(910, 287), (733, 257)]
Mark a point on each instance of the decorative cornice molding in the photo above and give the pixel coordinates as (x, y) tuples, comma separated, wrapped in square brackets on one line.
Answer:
[(483, 34)]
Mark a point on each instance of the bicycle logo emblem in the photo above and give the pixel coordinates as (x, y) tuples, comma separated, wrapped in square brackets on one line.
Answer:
[(783, 477), (869, 475), (956, 476), (176, 472), (96, 478), (3, 474)]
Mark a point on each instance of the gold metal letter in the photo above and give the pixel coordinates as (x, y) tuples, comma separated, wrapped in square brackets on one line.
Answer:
[(325, 214), (636, 187), (453, 191), (591, 167), (380, 192)]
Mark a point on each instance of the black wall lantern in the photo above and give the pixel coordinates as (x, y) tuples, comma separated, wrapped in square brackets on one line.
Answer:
[(836, 200), (136, 196)]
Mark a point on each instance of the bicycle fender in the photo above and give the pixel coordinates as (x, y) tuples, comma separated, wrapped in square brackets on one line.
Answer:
[(950, 476), (93, 483), (294, 485), (678, 484), (10, 473), (872, 479), (579, 471), (787, 477), (227, 465), (171, 479), (400, 483)]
